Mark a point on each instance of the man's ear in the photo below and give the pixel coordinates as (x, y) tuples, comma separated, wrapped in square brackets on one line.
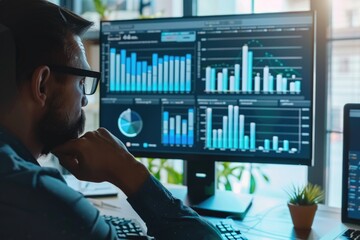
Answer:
[(40, 84)]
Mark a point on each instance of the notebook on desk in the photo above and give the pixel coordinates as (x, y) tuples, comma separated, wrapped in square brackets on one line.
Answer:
[(350, 209), (91, 189)]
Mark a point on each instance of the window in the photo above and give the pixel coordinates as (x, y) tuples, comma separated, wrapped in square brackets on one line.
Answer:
[(344, 84), (214, 7)]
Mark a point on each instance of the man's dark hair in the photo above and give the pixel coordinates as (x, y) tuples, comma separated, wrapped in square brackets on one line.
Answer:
[(39, 29)]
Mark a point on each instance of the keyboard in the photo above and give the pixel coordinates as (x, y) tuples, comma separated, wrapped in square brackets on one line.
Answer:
[(127, 228), (131, 229), (228, 230), (351, 234)]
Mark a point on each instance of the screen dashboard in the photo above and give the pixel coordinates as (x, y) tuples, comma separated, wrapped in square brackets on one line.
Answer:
[(223, 87)]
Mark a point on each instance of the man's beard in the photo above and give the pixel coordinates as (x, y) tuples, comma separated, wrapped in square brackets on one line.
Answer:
[(55, 128)]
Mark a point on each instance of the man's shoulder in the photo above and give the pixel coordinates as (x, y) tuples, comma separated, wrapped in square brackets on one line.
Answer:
[(20, 176), (47, 209), (37, 196), (24, 176), (24, 179), (10, 161)]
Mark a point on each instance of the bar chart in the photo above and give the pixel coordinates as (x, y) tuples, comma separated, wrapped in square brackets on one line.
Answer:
[(129, 72), (220, 81), (253, 129), (257, 66), (178, 126)]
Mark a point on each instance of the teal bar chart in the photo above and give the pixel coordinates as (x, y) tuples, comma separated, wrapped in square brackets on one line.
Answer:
[(178, 126), (236, 131), (244, 77), (161, 74)]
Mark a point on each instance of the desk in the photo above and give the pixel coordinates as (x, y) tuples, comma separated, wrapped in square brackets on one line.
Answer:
[(121, 208), (268, 218)]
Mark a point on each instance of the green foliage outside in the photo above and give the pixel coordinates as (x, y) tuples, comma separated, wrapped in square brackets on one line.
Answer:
[(227, 173), (156, 166), (100, 7)]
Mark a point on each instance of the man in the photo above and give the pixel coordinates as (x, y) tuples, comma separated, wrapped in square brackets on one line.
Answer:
[(41, 112)]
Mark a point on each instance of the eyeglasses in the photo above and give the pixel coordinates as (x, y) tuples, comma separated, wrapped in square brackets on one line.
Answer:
[(91, 77)]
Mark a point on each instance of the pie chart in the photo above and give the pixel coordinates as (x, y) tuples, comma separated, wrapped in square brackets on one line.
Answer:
[(130, 123)]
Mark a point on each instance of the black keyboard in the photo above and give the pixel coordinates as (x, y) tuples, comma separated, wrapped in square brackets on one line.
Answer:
[(351, 234), (127, 228), (228, 230), (131, 229)]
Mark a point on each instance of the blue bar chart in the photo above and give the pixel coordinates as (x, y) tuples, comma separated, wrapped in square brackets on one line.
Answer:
[(232, 128), (246, 77), (129, 72), (178, 126)]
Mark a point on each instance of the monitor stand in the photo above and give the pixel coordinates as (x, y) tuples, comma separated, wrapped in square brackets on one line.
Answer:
[(203, 197)]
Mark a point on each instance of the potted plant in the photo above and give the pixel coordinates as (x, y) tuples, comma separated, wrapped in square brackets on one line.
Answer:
[(303, 204)]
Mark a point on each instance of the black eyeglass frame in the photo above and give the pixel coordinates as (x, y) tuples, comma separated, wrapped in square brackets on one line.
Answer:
[(78, 72)]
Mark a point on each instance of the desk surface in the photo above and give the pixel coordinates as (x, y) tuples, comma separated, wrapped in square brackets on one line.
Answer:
[(268, 218)]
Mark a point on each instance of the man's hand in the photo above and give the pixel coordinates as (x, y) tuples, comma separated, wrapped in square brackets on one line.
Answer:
[(99, 156)]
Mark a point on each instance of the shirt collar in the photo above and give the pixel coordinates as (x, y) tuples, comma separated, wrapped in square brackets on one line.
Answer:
[(8, 138)]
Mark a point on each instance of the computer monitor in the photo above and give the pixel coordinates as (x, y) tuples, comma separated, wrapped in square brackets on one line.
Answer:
[(216, 88), (350, 212)]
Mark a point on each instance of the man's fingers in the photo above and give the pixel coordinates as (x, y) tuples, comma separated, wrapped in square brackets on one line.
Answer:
[(106, 135), (70, 163), (70, 148)]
